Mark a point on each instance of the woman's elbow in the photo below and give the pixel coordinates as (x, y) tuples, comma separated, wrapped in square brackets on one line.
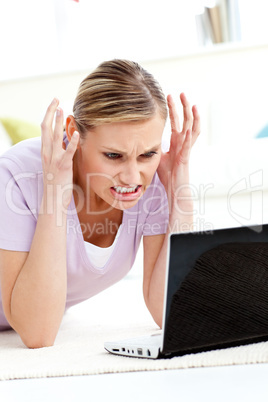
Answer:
[(156, 313), (37, 341), (158, 321), (37, 344)]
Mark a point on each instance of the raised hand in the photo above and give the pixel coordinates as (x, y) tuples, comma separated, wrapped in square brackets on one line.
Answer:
[(173, 169), (56, 160)]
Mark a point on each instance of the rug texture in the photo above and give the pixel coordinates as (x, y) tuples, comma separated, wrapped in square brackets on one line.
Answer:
[(117, 313)]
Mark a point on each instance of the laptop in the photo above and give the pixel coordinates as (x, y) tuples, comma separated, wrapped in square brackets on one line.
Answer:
[(184, 250)]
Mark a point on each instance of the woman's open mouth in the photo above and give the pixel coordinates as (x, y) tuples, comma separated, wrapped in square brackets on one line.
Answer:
[(126, 193)]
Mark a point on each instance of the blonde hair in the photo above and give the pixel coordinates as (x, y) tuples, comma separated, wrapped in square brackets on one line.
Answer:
[(117, 90)]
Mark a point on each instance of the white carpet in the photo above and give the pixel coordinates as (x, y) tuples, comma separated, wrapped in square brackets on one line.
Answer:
[(117, 313)]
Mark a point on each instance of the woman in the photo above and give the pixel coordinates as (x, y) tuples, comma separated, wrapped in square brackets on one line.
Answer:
[(72, 215)]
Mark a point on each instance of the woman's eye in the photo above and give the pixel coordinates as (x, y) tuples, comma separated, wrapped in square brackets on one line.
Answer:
[(149, 154), (112, 155)]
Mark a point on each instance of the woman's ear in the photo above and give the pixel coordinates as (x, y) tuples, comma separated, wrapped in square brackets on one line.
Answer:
[(70, 128)]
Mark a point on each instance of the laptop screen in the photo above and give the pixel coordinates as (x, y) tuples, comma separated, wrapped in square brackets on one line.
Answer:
[(221, 264)]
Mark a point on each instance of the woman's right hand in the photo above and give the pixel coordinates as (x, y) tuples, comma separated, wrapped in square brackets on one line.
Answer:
[(57, 161)]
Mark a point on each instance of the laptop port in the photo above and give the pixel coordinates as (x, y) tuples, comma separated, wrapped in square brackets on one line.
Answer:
[(139, 350), (123, 349), (148, 352)]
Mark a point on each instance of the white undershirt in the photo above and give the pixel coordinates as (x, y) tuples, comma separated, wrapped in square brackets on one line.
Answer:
[(99, 255)]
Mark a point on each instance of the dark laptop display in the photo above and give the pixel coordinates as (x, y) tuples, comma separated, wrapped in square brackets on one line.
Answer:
[(217, 289)]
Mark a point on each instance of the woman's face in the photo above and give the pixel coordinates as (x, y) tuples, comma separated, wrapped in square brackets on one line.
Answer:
[(116, 162)]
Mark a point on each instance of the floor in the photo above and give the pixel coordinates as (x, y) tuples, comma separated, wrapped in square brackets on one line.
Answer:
[(246, 383)]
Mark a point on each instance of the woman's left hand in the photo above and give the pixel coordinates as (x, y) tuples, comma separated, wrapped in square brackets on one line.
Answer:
[(173, 169)]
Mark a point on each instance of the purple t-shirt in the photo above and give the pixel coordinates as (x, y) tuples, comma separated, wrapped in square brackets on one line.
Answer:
[(21, 190)]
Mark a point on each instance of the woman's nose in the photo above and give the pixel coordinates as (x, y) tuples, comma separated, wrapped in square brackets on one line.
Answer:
[(130, 174)]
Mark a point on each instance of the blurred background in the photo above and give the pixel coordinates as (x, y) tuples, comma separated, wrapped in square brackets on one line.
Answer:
[(48, 36), (214, 51)]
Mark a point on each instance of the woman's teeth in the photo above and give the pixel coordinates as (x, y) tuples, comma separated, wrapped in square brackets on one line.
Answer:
[(122, 190)]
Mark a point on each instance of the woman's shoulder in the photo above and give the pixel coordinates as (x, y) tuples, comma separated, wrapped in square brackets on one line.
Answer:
[(25, 156)]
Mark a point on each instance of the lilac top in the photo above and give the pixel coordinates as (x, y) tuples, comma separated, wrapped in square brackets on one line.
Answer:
[(21, 190)]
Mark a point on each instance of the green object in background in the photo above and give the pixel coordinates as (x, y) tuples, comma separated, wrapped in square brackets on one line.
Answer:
[(19, 130)]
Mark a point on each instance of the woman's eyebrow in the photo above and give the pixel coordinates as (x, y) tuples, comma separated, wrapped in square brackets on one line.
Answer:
[(118, 151)]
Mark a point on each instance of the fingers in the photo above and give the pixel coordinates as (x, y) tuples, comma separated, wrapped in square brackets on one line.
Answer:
[(191, 120), (196, 124), (186, 147), (187, 114), (46, 127), (68, 154), (70, 151), (173, 115), (49, 116), (58, 129)]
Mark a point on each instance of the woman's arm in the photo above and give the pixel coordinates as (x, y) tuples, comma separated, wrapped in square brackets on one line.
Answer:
[(34, 284), (173, 172)]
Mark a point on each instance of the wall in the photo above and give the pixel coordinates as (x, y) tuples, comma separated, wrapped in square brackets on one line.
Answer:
[(228, 84)]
